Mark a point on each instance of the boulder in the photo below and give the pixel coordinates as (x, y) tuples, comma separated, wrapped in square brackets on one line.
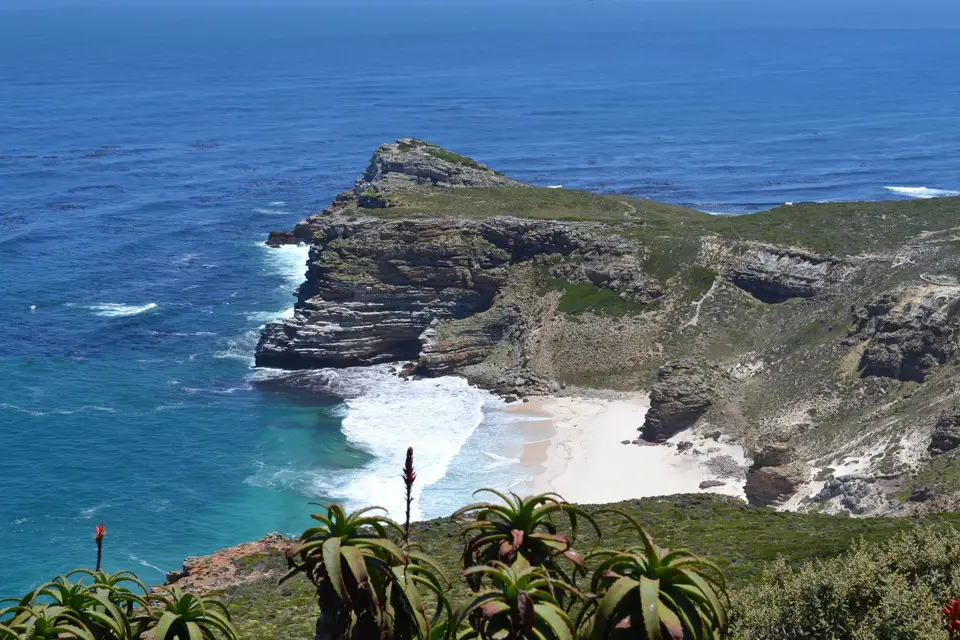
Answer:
[(911, 331), (946, 434), (770, 486), (774, 454), (682, 394), (710, 484)]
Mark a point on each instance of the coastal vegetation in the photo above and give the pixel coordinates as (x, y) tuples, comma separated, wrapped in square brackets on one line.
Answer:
[(787, 575)]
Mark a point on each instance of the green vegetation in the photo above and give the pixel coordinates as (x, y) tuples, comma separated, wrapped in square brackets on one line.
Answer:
[(524, 602), (744, 541), (367, 586), (522, 529), (538, 203), (439, 152), (791, 575), (581, 298), (834, 228), (891, 590), (675, 592), (699, 281), (91, 605), (941, 475)]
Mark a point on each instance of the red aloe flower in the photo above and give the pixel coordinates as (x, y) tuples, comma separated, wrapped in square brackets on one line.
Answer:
[(952, 613), (100, 531)]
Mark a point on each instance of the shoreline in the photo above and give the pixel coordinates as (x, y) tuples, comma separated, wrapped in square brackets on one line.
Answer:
[(584, 459)]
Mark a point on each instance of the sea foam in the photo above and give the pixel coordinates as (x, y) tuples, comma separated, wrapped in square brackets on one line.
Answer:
[(384, 415), (115, 310), (923, 192)]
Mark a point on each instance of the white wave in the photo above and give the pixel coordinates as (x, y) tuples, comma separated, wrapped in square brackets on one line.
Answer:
[(923, 192), (20, 521), (289, 261), (554, 186), (278, 203), (144, 563), (115, 310), (68, 412), (435, 416), (270, 212), (13, 407), (92, 511)]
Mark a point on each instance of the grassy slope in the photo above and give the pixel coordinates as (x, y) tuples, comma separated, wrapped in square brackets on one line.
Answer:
[(741, 538), (839, 228)]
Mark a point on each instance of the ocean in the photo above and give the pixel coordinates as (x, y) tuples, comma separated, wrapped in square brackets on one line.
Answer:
[(146, 153)]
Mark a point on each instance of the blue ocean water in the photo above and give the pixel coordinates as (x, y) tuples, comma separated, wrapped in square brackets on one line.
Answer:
[(145, 154)]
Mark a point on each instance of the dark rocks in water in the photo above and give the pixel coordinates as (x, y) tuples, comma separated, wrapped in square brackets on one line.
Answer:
[(682, 394), (315, 385), (770, 486), (911, 331), (683, 447), (946, 434), (280, 238), (775, 274), (922, 494), (710, 484)]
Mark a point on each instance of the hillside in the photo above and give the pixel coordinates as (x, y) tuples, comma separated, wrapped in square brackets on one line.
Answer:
[(821, 336), (742, 539)]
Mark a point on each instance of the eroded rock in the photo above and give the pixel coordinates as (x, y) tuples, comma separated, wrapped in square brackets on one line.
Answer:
[(946, 434), (682, 394), (776, 274), (911, 331), (771, 486)]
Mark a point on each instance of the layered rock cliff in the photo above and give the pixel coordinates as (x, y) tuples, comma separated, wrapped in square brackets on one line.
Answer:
[(824, 337)]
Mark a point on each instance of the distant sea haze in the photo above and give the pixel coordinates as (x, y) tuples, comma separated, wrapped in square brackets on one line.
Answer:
[(146, 153)]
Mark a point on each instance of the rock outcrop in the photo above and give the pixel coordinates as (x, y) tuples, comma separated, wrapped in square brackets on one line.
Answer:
[(910, 331), (683, 393), (770, 486), (375, 286), (776, 274), (946, 434), (409, 163)]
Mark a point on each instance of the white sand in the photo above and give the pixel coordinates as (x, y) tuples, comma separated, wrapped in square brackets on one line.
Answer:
[(585, 461)]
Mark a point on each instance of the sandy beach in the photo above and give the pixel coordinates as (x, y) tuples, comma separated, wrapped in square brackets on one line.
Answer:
[(575, 448)]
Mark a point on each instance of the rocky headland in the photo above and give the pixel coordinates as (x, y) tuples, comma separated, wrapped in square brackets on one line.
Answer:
[(823, 337)]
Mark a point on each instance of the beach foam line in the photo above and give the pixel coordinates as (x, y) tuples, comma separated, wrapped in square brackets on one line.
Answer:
[(385, 415), (923, 193), (117, 310)]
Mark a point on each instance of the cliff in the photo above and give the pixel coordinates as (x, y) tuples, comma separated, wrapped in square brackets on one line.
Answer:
[(823, 336)]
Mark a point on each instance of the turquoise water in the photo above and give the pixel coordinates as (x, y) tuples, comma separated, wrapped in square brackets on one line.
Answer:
[(145, 154)]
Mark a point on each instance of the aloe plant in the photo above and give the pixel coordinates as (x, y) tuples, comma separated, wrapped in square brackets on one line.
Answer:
[(649, 592), (521, 530), (367, 585), (186, 616), (521, 604), (99, 533)]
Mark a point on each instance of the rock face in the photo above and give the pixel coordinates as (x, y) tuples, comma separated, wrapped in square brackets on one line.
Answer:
[(376, 286), (775, 274), (409, 163), (911, 331), (769, 486), (857, 494), (683, 393), (946, 435)]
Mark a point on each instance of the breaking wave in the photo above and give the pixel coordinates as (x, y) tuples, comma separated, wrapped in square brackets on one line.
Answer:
[(922, 192), (115, 310)]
